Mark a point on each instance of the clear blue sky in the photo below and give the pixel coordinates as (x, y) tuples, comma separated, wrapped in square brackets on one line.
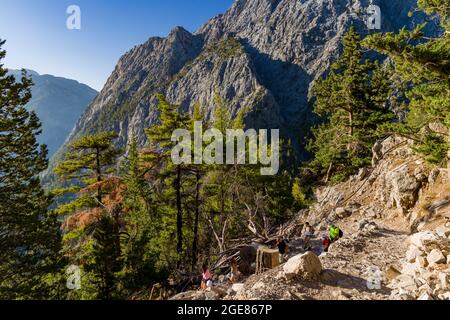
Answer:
[(37, 37)]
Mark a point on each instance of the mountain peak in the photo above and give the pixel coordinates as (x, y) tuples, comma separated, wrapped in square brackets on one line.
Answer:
[(178, 30), (17, 73)]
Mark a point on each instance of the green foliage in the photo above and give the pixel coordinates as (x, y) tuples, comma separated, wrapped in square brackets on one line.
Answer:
[(227, 49), (92, 215), (224, 49), (297, 192), (160, 137), (106, 258), (434, 147), (140, 256), (30, 240), (352, 100), (424, 66), (90, 160)]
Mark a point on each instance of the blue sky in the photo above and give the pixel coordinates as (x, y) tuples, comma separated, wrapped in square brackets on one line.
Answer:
[(37, 37)]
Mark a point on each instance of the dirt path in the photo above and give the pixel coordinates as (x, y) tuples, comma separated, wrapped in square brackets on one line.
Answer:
[(347, 267), (360, 257)]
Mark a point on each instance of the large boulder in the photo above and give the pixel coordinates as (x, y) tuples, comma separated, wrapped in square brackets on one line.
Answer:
[(413, 253), (307, 266), (443, 231)]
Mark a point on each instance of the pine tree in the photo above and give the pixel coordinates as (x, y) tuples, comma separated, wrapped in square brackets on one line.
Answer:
[(106, 258), (29, 236), (141, 224), (197, 171), (423, 64), (353, 102), (87, 166), (160, 136), (88, 171), (217, 188)]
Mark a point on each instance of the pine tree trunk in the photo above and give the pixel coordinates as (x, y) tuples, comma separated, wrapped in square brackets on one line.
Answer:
[(448, 157), (350, 119), (99, 176), (197, 214), (179, 213)]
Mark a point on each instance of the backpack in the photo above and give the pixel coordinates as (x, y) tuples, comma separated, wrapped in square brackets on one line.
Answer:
[(335, 233)]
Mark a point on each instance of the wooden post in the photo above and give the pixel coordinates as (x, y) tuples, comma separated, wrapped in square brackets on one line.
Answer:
[(266, 259)]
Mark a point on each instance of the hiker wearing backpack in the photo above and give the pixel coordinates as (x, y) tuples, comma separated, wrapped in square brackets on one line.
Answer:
[(335, 233), (308, 233)]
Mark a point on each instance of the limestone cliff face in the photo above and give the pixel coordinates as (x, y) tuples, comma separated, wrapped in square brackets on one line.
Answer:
[(262, 54)]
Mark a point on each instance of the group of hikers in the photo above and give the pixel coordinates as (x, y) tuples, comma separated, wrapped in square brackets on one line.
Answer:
[(308, 232)]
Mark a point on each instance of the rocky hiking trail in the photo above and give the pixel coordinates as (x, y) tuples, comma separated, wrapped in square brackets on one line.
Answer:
[(395, 217), (346, 268)]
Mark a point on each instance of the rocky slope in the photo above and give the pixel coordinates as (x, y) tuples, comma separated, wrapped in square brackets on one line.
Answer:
[(396, 222), (262, 54), (59, 103)]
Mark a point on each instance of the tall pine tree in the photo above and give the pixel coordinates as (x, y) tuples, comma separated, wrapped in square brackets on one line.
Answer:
[(29, 236), (423, 64), (171, 176), (353, 103), (92, 218)]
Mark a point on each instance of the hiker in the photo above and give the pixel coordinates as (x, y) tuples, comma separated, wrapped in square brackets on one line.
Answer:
[(206, 277), (335, 233), (325, 242), (282, 249), (308, 232), (234, 273)]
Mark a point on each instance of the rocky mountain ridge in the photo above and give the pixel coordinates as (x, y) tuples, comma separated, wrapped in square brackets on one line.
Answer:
[(260, 54)]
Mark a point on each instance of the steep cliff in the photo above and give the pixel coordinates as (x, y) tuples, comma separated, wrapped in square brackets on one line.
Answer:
[(263, 54)]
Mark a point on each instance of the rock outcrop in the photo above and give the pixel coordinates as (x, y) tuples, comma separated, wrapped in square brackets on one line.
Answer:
[(394, 186)]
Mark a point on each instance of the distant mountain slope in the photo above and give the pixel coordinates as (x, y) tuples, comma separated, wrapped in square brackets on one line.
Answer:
[(59, 103)]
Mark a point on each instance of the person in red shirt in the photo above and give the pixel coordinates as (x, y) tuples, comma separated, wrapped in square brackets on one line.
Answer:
[(325, 242), (206, 276)]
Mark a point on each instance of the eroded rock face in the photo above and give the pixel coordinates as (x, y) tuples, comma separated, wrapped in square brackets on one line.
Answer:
[(307, 266), (404, 189), (394, 184)]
